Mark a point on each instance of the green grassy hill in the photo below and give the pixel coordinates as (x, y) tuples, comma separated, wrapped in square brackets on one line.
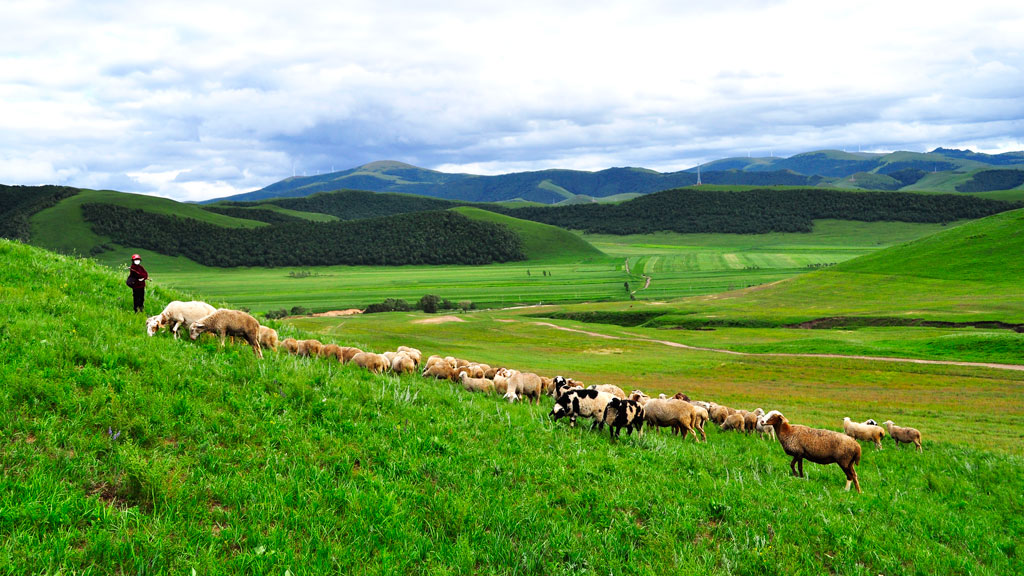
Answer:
[(129, 454), (540, 241), (969, 273), (62, 227)]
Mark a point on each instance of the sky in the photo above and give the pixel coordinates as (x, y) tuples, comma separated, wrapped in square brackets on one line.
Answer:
[(196, 100)]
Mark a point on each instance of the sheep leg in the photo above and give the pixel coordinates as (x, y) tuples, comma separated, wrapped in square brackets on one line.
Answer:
[(851, 477), (255, 343), (174, 329), (918, 443)]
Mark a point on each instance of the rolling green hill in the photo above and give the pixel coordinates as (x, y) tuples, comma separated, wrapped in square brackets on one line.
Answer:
[(540, 241), (969, 273)]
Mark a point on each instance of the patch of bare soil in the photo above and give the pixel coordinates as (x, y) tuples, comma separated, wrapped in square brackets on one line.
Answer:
[(332, 313), (438, 320)]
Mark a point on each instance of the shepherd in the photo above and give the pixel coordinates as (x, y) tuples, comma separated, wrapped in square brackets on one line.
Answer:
[(137, 277)]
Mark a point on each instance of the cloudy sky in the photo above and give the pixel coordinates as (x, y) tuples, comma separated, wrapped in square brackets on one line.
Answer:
[(194, 100)]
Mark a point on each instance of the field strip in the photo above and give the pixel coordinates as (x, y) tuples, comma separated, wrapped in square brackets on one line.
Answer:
[(1016, 367)]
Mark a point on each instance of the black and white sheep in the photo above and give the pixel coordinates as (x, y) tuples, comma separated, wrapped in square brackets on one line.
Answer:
[(620, 413), (583, 402)]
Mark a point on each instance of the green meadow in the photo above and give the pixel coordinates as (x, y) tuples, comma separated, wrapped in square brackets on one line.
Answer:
[(129, 454), (679, 265)]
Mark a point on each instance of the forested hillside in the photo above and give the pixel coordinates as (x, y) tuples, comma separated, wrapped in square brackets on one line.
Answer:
[(756, 211), (354, 204), (19, 203), (439, 237)]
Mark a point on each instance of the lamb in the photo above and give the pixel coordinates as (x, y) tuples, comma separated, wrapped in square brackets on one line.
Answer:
[(525, 384), (582, 402), (815, 444), (702, 415), (903, 434), (621, 413), (476, 384), (403, 364), (764, 430), (678, 414), (268, 338), (309, 347), (225, 322), (868, 432), (177, 314), (375, 363), (734, 422), (609, 388)]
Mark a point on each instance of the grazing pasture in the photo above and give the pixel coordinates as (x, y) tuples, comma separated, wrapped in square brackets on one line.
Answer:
[(124, 453)]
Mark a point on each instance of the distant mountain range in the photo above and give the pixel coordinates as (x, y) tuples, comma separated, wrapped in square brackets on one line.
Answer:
[(941, 170)]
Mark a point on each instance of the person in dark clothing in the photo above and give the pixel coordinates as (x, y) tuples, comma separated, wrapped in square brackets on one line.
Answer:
[(137, 277)]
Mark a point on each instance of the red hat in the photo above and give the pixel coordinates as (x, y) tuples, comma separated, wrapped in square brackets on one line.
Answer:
[(136, 257)]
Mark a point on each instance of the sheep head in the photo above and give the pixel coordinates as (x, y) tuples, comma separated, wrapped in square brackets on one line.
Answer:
[(771, 419), (153, 324), (195, 330)]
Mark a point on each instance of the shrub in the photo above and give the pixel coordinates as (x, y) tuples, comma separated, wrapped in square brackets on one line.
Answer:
[(429, 303)]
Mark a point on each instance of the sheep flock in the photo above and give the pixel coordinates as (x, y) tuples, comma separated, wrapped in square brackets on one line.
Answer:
[(604, 404)]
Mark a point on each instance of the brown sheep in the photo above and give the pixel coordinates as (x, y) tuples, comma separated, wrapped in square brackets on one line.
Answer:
[(225, 322), (817, 445), (347, 353), (611, 389), (903, 434), (476, 384), (678, 414), (413, 353), (375, 363), (719, 413), (750, 420), (291, 345), (309, 347), (734, 422), (268, 338), (523, 384), (440, 370), (403, 364), (331, 351)]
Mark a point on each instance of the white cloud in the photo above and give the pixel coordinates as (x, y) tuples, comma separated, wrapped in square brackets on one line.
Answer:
[(186, 98)]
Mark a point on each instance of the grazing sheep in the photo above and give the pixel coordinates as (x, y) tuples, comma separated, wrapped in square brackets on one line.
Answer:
[(640, 397), (225, 322), (331, 351), (474, 370), (523, 384), (621, 413), (719, 413), (440, 370), (583, 402), (734, 422), (681, 396), (867, 432), (609, 388), (489, 374), (291, 345), (750, 420), (678, 414), (764, 430), (815, 444), (562, 385), (501, 378), (403, 364), (547, 385), (178, 314), (702, 415), (375, 363), (476, 384), (268, 338), (413, 353), (903, 434), (309, 347), (347, 353)]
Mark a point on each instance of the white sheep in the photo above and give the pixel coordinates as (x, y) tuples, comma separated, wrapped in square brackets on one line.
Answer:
[(866, 432), (178, 314), (476, 384), (524, 384)]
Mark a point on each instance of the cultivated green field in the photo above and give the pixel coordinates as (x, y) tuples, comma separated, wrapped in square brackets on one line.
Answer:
[(129, 454), (679, 264)]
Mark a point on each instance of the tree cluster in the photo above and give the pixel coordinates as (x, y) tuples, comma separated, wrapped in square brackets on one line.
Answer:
[(441, 237), (19, 203), (988, 180), (756, 211), (358, 204), (258, 214)]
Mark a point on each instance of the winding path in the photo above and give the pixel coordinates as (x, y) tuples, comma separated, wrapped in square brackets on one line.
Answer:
[(1016, 367)]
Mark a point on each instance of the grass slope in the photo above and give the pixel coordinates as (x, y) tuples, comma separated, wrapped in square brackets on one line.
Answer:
[(124, 453), (540, 241), (62, 228)]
